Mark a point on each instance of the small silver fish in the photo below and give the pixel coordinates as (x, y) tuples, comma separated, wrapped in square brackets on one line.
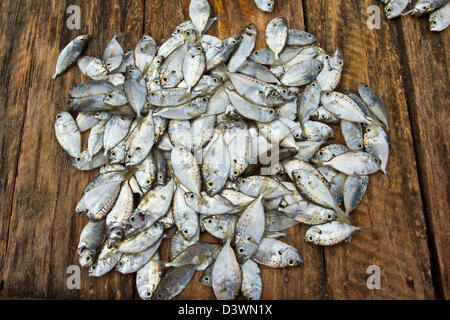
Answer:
[(70, 54)]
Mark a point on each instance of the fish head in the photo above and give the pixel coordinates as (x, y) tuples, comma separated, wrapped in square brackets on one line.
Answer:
[(266, 5), (326, 97), (117, 154), (250, 30), (189, 229), (393, 9), (123, 264), (337, 62), (290, 258), (245, 248), (82, 39), (212, 187), (81, 160), (312, 235), (157, 61), (233, 41), (421, 8), (136, 221), (86, 258), (190, 35), (191, 199), (322, 155)]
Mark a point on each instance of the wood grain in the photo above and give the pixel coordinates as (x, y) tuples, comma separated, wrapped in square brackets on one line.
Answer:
[(403, 216), (427, 95), (393, 234)]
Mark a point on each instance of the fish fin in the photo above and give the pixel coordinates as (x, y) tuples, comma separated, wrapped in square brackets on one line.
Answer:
[(342, 216), (408, 12), (54, 76), (187, 94)]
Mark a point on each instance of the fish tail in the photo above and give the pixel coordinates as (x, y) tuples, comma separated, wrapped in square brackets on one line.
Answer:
[(342, 216)]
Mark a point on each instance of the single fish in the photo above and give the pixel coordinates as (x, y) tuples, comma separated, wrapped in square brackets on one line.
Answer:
[(70, 54), (329, 234), (174, 282), (226, 274), (277, 254), (249, 230), (148, 277), (68, 134), (251, 286)]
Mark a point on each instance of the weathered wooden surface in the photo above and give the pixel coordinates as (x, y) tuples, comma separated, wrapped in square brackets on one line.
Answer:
[(403, 216)]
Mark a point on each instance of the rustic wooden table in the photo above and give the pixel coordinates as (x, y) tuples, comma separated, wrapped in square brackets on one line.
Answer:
[(404, 215)]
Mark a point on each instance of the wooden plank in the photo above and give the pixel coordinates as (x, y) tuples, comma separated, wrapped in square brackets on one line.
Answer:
[(19, 38), (44, 232), (393, 234), (40, 189), (426, 66)]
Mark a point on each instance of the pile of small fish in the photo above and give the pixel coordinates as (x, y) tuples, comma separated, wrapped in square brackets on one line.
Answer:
[(439, 11), (202, 134)]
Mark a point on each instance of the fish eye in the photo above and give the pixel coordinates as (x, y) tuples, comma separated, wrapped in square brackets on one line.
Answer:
[(93, 267), (178, 31), (310, 238), (210, 221), (88, 258), (310, 36), (388, 9), (192, 196), (214, 79), (235, 172), (120, 263), (341, 63), (113, 153), (313, 85), (148, 293), (210, 183), (78, 159), (58, 116), (156, 81), (256, 53), (152, 94), (284, 91), (206, 279), (376, 160), (148, 181), (329, 216), (185, 231), (291, 262), (271, 111), (204, 99), (321, 153), (360, 146), (129, 156), (132, 219), (328, 94), (110, 95), (159, 295), (164, 79), (241, 250), (243, 181)]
